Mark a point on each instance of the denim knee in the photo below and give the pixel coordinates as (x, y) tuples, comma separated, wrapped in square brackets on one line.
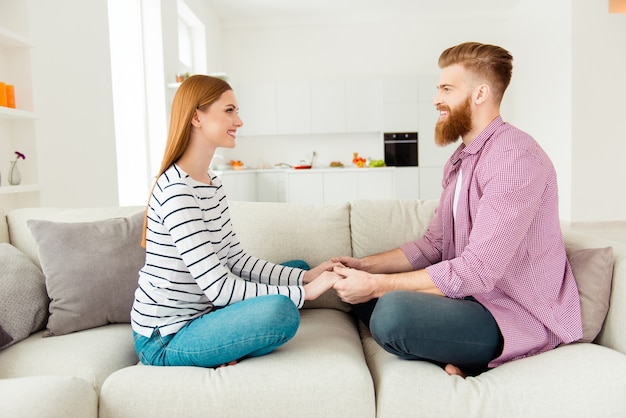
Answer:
[(284, 310)]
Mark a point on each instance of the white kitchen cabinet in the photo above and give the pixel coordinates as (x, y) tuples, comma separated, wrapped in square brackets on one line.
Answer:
[(17, 125), (375, 183), (407, 183), (270, 185), (400, 117), (293, 107), (239, 185), (328, 106), (340, 186), (363, 105), (400, 89), (305, 187), (400, 104), (332, 186), (257, 108)]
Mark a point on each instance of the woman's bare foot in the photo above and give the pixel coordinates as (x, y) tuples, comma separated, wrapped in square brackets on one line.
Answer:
[(232, 363), (452, 370)]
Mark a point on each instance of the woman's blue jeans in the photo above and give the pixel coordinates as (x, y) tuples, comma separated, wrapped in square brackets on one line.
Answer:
[(249, 328), (420, 326)]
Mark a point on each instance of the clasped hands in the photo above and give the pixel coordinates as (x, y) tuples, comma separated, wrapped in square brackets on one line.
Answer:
[(345, 275)]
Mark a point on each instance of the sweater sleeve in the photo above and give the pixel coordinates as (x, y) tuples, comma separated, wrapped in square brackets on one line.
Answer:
[(182, 217)]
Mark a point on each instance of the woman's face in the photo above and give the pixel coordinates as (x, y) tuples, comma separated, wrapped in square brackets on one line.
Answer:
[(218, 124)]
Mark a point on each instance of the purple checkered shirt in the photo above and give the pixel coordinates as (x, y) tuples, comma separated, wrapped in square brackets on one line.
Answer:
[(505, 247)]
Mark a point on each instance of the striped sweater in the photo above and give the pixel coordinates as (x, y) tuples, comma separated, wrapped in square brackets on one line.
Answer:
[(190, 249)]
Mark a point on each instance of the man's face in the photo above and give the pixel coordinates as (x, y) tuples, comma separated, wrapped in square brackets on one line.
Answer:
[(453, 101)]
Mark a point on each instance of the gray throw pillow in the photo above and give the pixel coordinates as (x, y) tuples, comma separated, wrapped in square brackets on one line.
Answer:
[(593, 271), (91, 270), (23, 298)]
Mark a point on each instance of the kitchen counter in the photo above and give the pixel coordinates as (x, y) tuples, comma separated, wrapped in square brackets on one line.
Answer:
[(293, 170), (318, 185)]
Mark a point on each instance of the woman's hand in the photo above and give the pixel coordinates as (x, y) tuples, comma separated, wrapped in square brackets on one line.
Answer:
[(312, 274), (355, 263), (321, 284)]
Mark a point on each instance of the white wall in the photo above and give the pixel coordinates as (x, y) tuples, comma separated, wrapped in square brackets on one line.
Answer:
[(73, 100), (598, 113), (568, 89), (541, 88)]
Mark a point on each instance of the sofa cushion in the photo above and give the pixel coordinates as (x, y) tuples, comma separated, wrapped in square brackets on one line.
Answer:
[(593, 271), (321, 372), (280, 232), (48, 396), (576, 380), (24, 307), (91, 355), (91, 270)]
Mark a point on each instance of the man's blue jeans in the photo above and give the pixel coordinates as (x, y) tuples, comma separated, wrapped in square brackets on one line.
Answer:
[(420, 326), (249, 328)]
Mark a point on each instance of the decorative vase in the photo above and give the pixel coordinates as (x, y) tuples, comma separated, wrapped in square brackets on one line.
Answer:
[(15, 177)]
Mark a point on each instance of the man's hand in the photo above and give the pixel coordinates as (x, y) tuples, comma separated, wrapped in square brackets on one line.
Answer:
[(356, 286)]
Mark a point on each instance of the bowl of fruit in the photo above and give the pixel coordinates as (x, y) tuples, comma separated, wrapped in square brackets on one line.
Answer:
[(237, 165)]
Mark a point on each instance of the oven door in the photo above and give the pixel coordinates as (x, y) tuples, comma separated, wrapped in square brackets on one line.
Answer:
[(401, 149)]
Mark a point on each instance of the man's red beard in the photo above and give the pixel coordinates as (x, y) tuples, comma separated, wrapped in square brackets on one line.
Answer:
[(455, 125)]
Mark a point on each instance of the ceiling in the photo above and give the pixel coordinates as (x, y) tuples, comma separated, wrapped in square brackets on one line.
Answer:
[(245, 10)]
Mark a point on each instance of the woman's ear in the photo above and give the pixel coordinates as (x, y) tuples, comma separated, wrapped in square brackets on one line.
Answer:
[(195, 119)]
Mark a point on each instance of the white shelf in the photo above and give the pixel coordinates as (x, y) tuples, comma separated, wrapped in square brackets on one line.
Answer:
[(22, 188), (10, 113)]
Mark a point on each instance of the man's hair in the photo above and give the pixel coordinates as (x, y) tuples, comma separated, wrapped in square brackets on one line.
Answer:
[(490, 63)]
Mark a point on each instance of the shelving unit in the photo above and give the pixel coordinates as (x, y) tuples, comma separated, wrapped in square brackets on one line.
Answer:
[(17, 126)]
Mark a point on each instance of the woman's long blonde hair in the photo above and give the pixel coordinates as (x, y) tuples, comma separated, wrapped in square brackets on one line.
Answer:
[(196, 92)]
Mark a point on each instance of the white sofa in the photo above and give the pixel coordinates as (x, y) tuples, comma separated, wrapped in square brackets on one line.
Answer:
[(331, 368)]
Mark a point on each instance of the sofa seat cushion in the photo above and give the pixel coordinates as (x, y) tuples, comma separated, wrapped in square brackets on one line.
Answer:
[(48, 396), (577, 380), (321, 372), (91, 355)]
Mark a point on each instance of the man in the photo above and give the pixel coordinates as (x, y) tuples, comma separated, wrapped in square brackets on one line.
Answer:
[(489, 281)]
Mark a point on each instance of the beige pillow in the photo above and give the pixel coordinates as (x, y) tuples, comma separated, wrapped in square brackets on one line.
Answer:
[(91, 270), (24, 303), (593, 270)]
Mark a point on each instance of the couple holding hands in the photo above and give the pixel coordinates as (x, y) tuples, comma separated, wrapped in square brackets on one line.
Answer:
[(488, 282)]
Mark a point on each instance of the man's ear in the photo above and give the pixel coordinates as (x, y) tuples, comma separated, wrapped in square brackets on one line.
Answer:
[(481, 93)]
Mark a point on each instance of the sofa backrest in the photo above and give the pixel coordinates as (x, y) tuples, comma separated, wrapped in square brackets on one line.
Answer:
[(612, 333), (280, 232), (382, 225), (21, 237)]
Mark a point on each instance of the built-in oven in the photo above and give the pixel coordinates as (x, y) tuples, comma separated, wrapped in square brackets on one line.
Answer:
[(401, 149)]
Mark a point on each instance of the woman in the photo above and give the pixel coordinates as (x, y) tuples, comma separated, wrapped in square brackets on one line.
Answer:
[(188, 310)]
